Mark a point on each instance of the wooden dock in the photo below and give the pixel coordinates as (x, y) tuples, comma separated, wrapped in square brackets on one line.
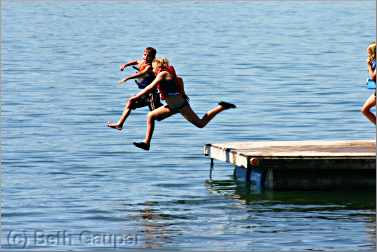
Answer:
[(300, 165)]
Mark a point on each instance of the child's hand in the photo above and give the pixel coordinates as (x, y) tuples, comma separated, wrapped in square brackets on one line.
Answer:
[(131, 100), (122, 67), (123, 81)]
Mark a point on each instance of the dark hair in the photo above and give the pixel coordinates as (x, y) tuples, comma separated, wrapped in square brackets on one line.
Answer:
[(151, 51)]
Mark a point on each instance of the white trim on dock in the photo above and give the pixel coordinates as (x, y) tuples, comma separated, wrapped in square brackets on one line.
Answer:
[(237, 153)]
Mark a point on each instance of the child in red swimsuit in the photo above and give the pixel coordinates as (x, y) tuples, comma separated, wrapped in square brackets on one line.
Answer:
[(172, 90)]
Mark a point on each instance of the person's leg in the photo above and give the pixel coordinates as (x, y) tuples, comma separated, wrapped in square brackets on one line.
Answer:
[(119, 124), (162, 112), (192, 117), (126, 112), (369, 103)]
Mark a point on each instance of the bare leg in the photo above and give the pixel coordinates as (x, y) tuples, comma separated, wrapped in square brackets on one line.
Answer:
[(119, 125), (187, 112), (192, 117), (369, 103), (150, 129), (162, 112)]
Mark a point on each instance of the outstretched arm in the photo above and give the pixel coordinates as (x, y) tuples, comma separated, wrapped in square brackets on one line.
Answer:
[(131, 63), (150, 87), (136, 75)]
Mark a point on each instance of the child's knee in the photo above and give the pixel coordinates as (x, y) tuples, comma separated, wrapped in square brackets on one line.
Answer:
[(151, 116), (364, 110), (199, 124), (129, 105)]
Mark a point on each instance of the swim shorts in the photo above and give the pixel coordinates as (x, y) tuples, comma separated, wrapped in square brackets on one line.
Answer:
[(152, 100)]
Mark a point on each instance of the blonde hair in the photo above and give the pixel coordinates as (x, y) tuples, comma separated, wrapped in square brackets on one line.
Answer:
[(371, 52), (162, 63)]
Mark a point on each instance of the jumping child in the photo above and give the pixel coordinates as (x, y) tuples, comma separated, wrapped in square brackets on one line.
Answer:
[(145, 75), (172, 91)]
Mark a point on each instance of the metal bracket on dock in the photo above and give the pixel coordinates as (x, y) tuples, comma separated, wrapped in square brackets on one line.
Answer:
[(207, 150), (211, 169)]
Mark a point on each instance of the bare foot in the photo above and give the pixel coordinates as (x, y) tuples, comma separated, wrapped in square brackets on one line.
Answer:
[(114, 126)]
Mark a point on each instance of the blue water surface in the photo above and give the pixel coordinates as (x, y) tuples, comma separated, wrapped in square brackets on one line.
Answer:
[(295, 69)]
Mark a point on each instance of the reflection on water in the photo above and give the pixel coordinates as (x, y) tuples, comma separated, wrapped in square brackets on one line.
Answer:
[(234, 208), (326, 217), (351, 199), (155, 226)]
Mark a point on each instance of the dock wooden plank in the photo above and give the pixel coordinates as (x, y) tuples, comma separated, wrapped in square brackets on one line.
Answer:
[(297, 149), (347, 162)]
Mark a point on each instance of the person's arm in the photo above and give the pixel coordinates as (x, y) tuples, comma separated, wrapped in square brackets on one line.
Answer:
[(131, 63), (136, 75), (150, 87), (372, 73)]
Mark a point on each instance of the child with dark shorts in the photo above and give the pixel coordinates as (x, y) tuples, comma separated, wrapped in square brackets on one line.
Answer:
[(145, 76), (171, 89)]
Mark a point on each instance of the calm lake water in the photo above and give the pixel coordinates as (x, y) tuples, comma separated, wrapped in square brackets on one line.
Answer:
[(295, 69)]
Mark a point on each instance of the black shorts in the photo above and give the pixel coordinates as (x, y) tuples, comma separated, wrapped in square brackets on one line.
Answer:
[(152, 100), (178, 108)]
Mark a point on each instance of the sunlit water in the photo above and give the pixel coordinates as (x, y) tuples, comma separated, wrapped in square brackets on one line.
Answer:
[(295, 69)]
